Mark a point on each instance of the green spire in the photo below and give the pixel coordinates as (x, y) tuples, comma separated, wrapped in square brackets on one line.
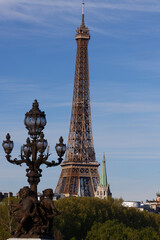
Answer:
[(103, 180)]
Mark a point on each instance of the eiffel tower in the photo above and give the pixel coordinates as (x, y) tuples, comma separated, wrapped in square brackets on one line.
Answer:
[(79, 175)]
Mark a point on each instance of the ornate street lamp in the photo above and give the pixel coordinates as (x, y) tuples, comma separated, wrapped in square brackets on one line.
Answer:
[(35, 121), (34, 154)]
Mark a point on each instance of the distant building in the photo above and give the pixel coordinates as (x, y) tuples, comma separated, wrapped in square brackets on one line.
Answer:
[(39, 196), (152, 206), (148, 206), (103, 188), (134, 204), (1, 196), (4, 195), (57, 196)]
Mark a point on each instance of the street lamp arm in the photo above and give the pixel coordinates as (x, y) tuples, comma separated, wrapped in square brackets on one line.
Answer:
[(49, 164), (46, 157), (53, 163), (15, 161), (42, 159)]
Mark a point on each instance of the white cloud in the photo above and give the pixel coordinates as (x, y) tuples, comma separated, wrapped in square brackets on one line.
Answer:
[(47, 17), (135, 107), (117, 107), (125, 5), (38, 11), (33, 11)]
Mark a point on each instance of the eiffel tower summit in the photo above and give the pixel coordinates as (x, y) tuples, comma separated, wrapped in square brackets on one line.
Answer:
[(79, 175)]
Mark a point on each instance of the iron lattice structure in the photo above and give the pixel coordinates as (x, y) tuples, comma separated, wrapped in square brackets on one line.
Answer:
[(80, 169)]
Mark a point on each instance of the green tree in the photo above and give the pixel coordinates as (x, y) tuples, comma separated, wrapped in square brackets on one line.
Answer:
[(80, 214), (93, 218), (7, 223), (113, 230)]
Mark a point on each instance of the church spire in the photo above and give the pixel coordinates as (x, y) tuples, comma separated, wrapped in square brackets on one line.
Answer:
[(103, 179), (103, 188)]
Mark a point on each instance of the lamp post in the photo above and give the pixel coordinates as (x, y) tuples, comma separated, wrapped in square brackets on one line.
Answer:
[(33, 154)]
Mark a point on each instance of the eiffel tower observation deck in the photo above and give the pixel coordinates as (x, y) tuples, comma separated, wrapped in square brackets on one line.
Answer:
[(79, 175)]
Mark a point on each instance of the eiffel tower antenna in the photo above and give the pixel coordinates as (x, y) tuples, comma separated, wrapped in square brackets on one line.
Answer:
[(83, 13), (83, 7)]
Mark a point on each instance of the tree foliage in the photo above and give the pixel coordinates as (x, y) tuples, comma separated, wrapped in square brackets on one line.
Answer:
[(81, 216), (93, 218), (7, 223), (113, 230)]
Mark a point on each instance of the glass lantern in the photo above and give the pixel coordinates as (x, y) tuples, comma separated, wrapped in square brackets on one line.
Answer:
[(60, 148), (35, 120), (42, 143), (26, 148), (8, 144)]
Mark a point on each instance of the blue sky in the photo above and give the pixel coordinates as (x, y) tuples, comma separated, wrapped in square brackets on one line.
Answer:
[(37, 61)]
